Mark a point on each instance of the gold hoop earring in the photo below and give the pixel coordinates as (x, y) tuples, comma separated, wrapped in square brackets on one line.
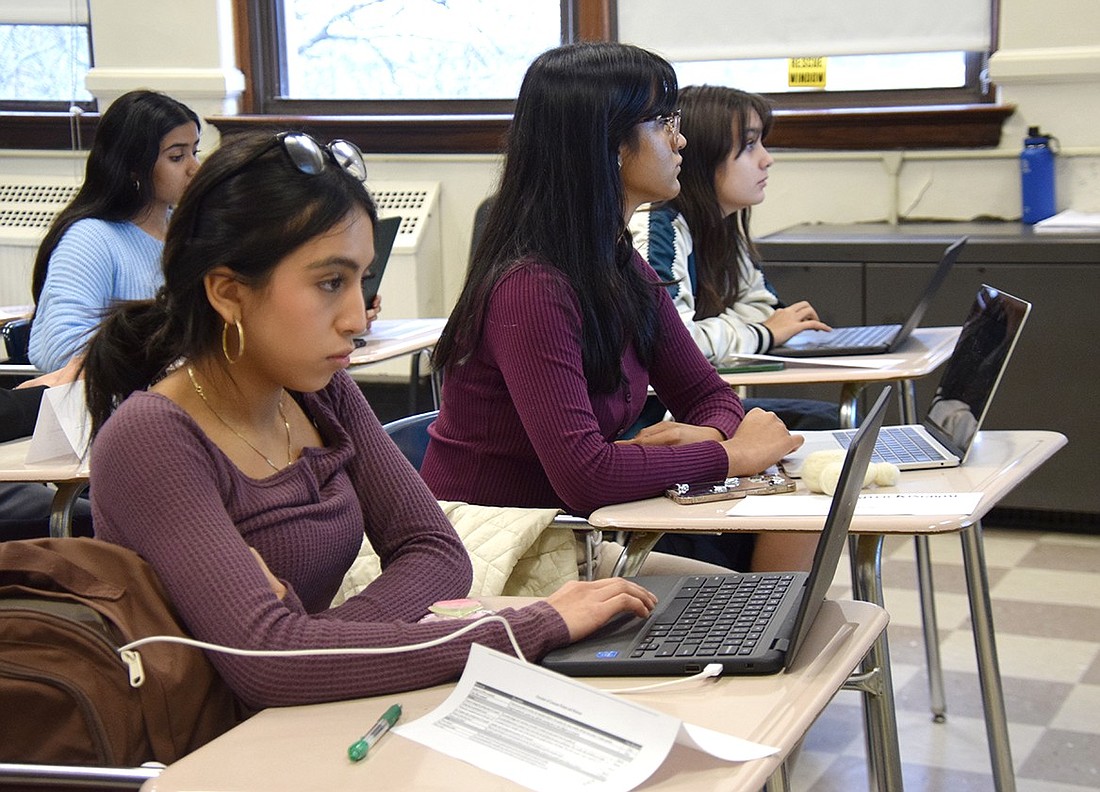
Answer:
[(240, 342)]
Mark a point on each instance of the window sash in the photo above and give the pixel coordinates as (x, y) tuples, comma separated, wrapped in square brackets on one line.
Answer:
[(734, 29)]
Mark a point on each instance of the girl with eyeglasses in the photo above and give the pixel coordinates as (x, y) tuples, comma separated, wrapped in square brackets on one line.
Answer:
[(233, 452), (699, 244), (561, 326), (699, 240), (106, 244)]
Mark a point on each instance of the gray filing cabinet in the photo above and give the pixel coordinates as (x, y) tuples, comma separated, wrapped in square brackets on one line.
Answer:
[(872, 273)]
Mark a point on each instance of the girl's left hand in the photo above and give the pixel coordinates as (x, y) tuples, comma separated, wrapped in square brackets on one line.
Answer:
[(670, 433), (373, 309)]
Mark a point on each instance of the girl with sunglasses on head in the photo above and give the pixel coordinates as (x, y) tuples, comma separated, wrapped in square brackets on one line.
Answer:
[(561, 326), (106, 244), (235, 455)]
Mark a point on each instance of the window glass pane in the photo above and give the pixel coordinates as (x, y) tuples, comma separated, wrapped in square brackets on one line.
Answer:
[(843, 73), (41, 63), (414, 49)]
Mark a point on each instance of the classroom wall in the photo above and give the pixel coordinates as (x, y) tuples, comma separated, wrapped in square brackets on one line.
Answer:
[(1048, 66)]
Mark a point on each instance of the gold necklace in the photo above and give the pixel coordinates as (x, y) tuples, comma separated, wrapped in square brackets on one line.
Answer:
[(265, 457)]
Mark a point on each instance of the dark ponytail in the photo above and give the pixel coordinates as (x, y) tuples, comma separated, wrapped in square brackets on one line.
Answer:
[(133, 347)]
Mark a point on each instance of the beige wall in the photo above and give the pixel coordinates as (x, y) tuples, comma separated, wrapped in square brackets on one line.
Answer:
[(1048, 66)]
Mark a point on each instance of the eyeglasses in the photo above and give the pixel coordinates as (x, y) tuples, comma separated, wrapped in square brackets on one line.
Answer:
[(671, 122), (308, 155)]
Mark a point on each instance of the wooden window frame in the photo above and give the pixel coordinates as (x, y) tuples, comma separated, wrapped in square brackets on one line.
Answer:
[(967, 124)]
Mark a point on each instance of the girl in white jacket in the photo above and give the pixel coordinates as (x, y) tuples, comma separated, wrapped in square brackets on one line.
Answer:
[(700, 242)]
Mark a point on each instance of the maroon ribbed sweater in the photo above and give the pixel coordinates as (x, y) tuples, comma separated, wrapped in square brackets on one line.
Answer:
[(163, 489), (518, 426)]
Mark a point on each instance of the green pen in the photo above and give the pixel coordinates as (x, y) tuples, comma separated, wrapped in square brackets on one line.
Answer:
[(358, 749)]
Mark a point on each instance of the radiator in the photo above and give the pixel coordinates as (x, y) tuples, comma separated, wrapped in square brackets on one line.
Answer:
[(27, 207)]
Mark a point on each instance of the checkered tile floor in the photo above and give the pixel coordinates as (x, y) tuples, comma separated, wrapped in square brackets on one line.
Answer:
[(1045, 589)]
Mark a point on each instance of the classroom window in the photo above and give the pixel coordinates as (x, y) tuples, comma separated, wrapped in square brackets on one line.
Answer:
[(928, 78), (365, 91), (45, 55), (387, 56)]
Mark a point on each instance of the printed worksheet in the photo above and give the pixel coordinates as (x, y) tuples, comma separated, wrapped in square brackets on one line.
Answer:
[(548, 732)]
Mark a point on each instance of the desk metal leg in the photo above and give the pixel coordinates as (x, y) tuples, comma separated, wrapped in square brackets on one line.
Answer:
[(849, 404), (989, 672), (907, 396), (637, 548), (876, 680), (936, 695), (61, 510), (435, 377)]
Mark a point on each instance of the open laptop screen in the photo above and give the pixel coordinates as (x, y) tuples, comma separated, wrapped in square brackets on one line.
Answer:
[(975, 368)]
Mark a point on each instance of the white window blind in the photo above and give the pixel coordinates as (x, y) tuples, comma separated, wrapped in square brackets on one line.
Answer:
[(44, 12), (694, 30)]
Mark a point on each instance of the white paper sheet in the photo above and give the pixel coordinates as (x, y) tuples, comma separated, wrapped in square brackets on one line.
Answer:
[(62, 430), (392, 329), (881, 504), (548, 732), (841, 361)]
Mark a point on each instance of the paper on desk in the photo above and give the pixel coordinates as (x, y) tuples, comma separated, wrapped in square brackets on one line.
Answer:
[(548, 732), (1069, 221), (841, 361), (881, 504), (62, 430), (391, 329)]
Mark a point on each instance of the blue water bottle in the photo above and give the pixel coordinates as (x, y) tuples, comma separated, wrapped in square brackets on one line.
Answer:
[(1037, 176)]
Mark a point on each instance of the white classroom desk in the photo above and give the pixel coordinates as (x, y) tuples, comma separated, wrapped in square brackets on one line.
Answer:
[(921, 354), (998, 461), (296, 748), (391, 338), (71, 478)]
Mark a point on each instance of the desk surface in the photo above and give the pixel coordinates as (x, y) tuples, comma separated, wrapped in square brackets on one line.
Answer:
[(998, 461), (920, 355), (14, 467), (294, 748), (390, 338)]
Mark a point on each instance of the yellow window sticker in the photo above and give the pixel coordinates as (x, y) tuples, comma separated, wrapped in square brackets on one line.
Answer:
[(806, 72)]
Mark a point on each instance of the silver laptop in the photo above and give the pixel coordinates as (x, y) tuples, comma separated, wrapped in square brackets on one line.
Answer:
[(970, 378), (870, 339), (751, 623)]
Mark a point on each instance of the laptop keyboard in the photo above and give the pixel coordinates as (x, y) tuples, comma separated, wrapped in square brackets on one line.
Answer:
[(716, 616), (871, 335), (898, 445)]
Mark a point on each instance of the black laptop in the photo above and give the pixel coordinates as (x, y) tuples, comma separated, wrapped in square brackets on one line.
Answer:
[(385, 233), (751, 623), (944, 436), (870, 339)]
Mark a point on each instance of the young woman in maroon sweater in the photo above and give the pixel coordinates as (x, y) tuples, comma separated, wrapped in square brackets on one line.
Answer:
[(561, 326)]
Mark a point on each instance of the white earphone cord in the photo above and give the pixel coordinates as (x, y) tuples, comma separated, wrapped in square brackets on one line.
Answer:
[(132, 658)]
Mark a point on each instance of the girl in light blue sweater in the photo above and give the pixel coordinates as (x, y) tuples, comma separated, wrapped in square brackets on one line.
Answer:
[(105, 246)]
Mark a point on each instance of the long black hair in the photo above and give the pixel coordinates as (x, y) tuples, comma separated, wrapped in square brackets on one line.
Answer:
[(118, 177), (716, 120), (247, 208), (561, 201)]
